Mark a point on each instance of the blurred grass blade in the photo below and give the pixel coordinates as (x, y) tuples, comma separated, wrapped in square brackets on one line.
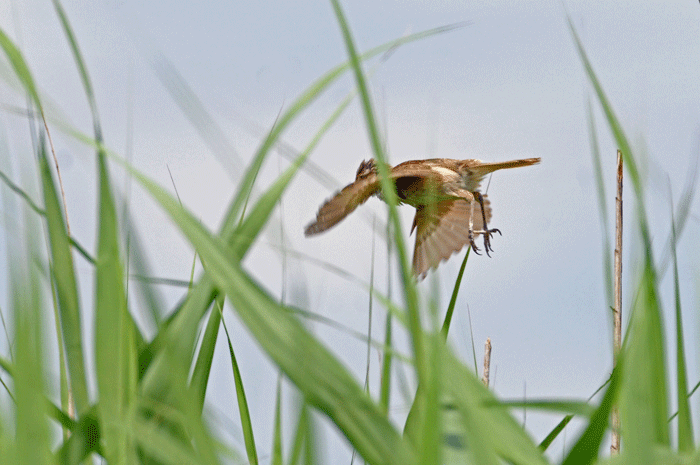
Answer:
[(160, 445), (193, 109), (565, 421), (546, 442), (322, 379), (82, 69), (489, 429), (576, 407), (304, 436), (64, 276), (277, 436), (619, 135), (182, 331), (613, 122), (20, 67), (430, 444), (246, 424), (644, 381), (115, 356), (602, 206), (682, 214), (385, 387), (148, 294), (32, 441), (202, 366), (586, 449), (643, 399), (685, 425)]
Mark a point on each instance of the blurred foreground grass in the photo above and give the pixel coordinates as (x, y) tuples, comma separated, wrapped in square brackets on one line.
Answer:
[(148, 399)]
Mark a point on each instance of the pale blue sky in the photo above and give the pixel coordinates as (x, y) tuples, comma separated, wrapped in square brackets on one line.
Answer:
[(510, 85)]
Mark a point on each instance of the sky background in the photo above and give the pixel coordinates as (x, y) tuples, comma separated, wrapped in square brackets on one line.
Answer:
[(509, 85)]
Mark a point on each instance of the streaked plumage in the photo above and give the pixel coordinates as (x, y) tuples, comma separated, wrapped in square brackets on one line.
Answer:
[(445, 193)]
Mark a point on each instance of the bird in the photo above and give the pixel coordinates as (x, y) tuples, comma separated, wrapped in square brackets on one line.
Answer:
[(450, 209)]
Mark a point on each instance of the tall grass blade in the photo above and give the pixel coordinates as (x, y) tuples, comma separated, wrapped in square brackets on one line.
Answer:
[(64, 276), (685, 425), (32, 442), (246, 424), (115, 355), (408, 281), (82, 69), (277, 436), (20, 67), (586, 449), (453, 298), (202, 366), (643, 400), (602, 206)]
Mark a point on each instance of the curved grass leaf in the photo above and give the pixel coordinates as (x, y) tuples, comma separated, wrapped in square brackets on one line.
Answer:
[(320, 377), (643, 409), (246, 423)]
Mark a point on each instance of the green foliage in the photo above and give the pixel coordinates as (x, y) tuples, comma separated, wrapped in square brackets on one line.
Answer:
[(150, 391)]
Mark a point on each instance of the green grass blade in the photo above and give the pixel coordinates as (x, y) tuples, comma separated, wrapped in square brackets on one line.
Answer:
[(408, 280), (322, 379), (193, 109), (586, 449), (565, 421), (643, 402), (148, 294), (546, 442), (64, 276), (300, 433), (385, 387), (246, 424), (32, 442), (215, 138), (490, 430), (182, 332), (643, 399), (575, 407), (602, 206), (202, 366), (20, 67), (430, 444), (82, 69), (682, 214), (453, 298), (613, 122), (276, 456), (114, 350), (619, 135), (685, 425), (160, 445)]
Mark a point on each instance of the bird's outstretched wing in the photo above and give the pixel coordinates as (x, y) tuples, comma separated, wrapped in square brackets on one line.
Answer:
[(442, 229), (353, 195), (342, 204)]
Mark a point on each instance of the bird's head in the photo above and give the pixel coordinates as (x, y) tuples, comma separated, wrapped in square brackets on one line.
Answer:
[(366, 168)]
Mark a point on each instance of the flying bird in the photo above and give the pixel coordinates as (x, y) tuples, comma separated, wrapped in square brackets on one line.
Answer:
[(450, 210)]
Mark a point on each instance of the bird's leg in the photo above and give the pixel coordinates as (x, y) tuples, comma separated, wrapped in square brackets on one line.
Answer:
[(486, 231), (471, 229)]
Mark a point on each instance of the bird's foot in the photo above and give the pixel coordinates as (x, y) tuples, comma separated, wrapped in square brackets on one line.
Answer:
[(487, 240)]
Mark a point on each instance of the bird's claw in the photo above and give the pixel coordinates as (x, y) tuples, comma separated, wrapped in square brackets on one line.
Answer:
[(487, 240), (473, 244)]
